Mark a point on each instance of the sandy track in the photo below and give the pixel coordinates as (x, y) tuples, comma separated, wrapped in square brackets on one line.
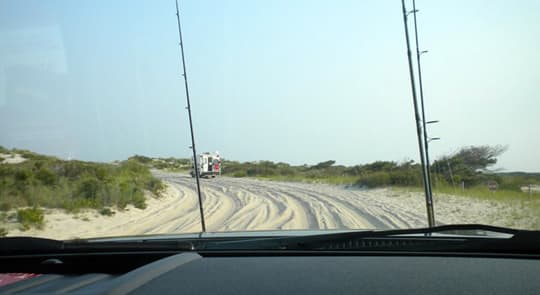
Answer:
[(238, 204), (248, 204)]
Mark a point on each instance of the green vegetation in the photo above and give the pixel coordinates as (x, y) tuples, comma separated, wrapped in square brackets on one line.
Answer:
[(48, 182), (30, 217), (167, 164), (380, 173), (468, 167), (106, 212), (5, 206), (3, 150)]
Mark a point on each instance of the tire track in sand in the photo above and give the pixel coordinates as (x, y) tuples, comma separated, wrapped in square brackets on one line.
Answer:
[(235, 204)]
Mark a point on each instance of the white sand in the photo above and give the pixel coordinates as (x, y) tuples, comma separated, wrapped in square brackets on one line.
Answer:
[(11, 158), (235, 204)]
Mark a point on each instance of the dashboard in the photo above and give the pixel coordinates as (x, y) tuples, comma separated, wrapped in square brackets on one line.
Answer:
[(294, 273)]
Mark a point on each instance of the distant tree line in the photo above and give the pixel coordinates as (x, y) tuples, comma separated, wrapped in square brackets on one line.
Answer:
[(170, 163), (470, 166)]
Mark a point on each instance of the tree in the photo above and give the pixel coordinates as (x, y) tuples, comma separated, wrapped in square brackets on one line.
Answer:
[(479, 158), (380, 166), (469, 163), (323, 165)]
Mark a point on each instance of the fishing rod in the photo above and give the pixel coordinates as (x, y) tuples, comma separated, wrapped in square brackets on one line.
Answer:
[(421, 88), (429, 200), (195, 164)]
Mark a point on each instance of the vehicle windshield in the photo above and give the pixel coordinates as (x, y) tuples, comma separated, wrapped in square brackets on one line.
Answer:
[(124, 118)]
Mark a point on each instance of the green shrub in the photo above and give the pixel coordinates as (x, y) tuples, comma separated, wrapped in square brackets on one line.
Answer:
[(46, 176), (72, 169), (3, 232), (101, 173), (5, 206), (134, 167), (141, 159), (31, 217), (5, 171), (139, 201), (513, 183), (106, 212), (88, 188), (375, 179), (155, 186), (240, 174), (23, 175), (406, 178)]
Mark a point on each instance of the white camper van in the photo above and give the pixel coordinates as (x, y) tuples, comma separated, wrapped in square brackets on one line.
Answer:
[(209, 165)]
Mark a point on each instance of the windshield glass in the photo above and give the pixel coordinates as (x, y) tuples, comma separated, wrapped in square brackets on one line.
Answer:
[(267, 116)]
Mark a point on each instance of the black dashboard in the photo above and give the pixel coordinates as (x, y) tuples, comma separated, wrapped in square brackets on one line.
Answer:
[(194, 273)]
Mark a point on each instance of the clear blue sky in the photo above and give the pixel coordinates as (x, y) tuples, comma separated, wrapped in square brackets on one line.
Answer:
[(294, 81)]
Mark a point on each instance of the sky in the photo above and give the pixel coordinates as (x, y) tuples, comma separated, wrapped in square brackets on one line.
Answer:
[(290, 81)]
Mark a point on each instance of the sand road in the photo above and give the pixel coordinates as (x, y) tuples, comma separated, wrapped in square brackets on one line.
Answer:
[(249, 204)]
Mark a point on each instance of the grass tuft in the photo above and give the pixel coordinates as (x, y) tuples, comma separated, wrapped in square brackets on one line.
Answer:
[(30, 217)]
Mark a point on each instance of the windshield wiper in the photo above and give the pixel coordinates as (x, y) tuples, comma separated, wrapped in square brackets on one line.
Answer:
[(459, 238)]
